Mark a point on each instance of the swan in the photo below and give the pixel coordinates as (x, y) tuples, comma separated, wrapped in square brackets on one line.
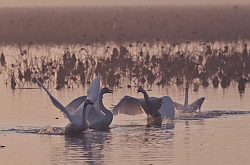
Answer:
[(152, 106), (103, 119), (78, 123), (193, 106), (79, 126)]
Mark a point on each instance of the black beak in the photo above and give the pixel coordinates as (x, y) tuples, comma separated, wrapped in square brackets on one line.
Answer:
[(90, 102), (111, 91)]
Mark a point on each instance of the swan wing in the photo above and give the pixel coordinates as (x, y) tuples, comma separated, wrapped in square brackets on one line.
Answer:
[(76, 105), (95, 116), (94, 89), (56, 103), (196, 104), (73, 105), (167, 108), (178, 106), (95, 113), (128, 105)]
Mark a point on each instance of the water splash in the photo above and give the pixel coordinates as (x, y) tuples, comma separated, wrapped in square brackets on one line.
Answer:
[(18, 129), (208, 114), (52, 130)]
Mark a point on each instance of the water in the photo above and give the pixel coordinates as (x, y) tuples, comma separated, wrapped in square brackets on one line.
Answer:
[(31, 128), (130, 140)]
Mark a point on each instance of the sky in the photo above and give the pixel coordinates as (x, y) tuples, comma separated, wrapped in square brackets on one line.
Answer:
[(10, 3)]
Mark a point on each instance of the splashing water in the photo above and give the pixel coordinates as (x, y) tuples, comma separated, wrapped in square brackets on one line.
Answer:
[(208, 114), (52, 130)]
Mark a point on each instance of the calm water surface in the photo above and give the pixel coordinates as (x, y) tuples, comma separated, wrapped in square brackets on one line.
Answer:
[(130, 140)]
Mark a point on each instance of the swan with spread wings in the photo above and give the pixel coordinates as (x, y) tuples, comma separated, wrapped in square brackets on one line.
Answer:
[(98, 116), (77, 110), (152, 106), (193, 107)]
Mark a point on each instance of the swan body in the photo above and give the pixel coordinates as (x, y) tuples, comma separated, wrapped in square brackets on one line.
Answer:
[(152, 106), (104, 117), (79, 126), (78, 122), (98, 116), (189, 107)]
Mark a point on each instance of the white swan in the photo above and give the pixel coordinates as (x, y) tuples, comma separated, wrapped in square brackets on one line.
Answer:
[(152, 106), (104, 117), (78, 123), (76, 126), (193, 106)]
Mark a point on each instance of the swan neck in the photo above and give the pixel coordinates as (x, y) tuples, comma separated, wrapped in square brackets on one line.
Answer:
[(108, 113), (146, 97), (101, 105), (84, 119)]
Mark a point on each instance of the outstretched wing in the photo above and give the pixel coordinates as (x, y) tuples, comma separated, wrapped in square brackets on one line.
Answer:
[(94, 89), (56, 103), (197, 104), (76, 106), (128, 105), (178, 106), (167, 108), (73, 105)]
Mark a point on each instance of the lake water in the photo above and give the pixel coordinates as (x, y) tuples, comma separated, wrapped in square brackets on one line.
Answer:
[(178, 38), (220, 140)]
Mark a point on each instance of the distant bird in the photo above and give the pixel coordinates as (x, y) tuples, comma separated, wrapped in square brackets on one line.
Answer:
[(152, 106), (193, 106)]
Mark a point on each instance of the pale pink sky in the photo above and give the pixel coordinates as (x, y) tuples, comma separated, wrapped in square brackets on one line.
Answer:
[(4, 3)]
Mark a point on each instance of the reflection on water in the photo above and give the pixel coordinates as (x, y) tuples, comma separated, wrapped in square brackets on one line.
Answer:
[(175, 142), (86, 147), (217, 135), (32, 129)]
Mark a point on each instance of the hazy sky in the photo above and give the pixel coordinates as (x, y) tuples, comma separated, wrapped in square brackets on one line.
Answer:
[(4, 3)]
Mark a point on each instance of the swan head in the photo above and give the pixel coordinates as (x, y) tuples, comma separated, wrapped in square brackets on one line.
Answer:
[(106, 90), (88, 101), (140, 89)]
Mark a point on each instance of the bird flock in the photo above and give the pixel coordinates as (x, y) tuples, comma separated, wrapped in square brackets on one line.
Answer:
[(141, 64), (89, 112)]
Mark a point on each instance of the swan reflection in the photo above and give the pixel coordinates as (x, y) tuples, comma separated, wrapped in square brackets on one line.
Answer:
[(158, 122), (79, 148)]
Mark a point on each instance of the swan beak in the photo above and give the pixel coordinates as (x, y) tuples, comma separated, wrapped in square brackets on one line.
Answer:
[(110, 91), (89, 101)]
